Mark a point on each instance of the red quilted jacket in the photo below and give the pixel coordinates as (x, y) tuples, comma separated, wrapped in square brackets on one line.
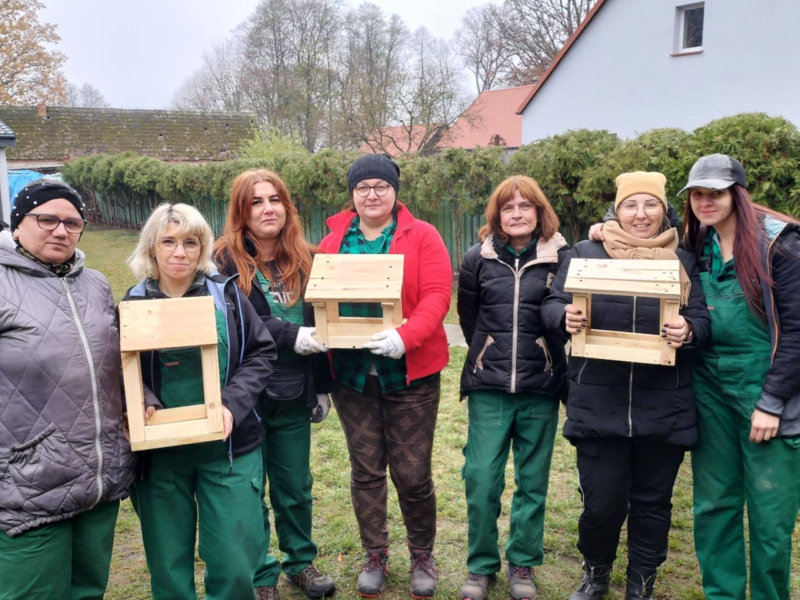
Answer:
[(427, 287)]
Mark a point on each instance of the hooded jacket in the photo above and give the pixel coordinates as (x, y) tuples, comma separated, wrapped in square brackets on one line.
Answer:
[(251, 354), (62, 448), (620, 399), (499, 308), (427, 287)]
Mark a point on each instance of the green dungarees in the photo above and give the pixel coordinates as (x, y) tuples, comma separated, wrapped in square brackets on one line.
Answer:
[(198, 481), (286, 456), (729, 470)]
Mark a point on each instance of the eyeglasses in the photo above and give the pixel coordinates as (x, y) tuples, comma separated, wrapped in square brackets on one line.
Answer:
[(51, 223), (651, 208), (170, 245), (381, 189)]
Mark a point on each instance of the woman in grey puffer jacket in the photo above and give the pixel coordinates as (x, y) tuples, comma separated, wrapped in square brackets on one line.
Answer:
[(64, 459)]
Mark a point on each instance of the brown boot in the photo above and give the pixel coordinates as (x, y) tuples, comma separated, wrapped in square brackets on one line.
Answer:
[(372, 579)]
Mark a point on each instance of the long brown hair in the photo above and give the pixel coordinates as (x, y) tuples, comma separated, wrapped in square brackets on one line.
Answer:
[(293, 255), (546, 219), (747, 243)]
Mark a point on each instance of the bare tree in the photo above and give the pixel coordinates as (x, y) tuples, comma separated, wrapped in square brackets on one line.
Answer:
[(86, 96), (218, 85), (481, 47), (534, 32)]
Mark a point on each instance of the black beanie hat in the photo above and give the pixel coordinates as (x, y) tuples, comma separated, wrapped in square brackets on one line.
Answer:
[(373, 166), (37, 193)]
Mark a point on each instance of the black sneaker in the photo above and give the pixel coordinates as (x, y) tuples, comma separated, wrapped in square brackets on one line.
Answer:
[(372, 579)]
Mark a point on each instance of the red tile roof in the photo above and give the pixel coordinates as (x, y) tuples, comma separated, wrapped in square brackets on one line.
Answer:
[(490, 121), (561, 54)]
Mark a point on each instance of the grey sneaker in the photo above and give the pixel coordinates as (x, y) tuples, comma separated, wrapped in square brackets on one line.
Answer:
[(313, 583), (520, 583), (372, 579), (423, 574), (266, 592), (476, 587)]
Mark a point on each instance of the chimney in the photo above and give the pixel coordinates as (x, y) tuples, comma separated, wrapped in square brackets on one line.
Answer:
[(41, 109)]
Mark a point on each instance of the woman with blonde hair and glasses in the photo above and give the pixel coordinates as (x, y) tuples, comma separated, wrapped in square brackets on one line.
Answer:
[(215, 485), (263, 243), (513, 378)]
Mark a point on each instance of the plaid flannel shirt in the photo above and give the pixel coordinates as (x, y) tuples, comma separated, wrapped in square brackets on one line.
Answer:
[(353, 366)]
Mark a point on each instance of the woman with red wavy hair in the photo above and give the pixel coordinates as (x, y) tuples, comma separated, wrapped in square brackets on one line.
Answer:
[(263, 242)]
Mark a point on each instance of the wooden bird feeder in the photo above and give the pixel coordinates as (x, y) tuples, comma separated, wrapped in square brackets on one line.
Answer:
[(663, 279), (354, 278), (161, 325)]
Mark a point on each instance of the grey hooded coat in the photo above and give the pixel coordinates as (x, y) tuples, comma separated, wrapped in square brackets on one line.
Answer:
[(62, 448)]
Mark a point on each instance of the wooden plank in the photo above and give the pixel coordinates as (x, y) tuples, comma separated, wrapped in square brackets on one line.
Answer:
[(624, 354), (613, 287), (366, 330), (134, 394), (670, 311), (174, 415), (616, 264), (170, 442), (643, 342), (357, 267), (627, 275), (333, 284), (388, 315), (398, 313), (625, 335), (321, 322), (170, 323), (332, 311), (375, 320), (175, 431), (348, 342), (579, 339), (365, 295), (212, 394)]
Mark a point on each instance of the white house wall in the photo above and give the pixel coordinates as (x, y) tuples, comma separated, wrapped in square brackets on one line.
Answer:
[(619, 74)]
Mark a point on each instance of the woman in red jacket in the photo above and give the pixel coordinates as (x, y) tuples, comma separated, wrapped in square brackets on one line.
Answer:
[(387, 395)]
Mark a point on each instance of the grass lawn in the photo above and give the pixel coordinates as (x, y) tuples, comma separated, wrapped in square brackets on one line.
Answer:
[(336, 532)]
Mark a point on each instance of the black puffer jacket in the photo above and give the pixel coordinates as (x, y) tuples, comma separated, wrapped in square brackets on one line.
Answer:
[(612, 398), (499, 305), (320, 380)]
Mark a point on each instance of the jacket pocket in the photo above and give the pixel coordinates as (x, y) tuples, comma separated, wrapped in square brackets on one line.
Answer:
[(479, 360), (548, 366), (42, 464)]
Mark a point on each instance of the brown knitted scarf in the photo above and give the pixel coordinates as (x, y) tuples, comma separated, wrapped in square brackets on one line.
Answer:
[(620, 244)]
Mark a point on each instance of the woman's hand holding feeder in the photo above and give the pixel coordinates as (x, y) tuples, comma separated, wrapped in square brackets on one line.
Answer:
[(387, 343), (576, 320)]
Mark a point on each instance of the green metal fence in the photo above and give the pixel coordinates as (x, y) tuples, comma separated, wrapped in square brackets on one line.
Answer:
[(459, 231)]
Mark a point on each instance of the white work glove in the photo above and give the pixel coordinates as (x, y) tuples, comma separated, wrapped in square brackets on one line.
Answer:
[(387, 343), (306, 343), (320, 412)]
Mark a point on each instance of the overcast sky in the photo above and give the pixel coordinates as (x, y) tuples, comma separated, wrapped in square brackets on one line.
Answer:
[(138, 52)]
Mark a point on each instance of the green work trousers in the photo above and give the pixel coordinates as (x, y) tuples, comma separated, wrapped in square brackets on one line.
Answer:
[(729, 470), (286, 452), (527, 424), (199, 481), (68, 560)]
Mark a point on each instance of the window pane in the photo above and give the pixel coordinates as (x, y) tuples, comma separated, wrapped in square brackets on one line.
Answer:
[(693, 28)]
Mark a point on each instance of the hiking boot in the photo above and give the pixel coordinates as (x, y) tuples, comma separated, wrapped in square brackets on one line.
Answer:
[(266, 592), (476, 587), (594, 582), (313, 583), (640, 583), (372, 579), (423, 574), (520, 583)]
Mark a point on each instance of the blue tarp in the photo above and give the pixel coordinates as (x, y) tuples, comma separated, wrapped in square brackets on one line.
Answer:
[(19, 178)]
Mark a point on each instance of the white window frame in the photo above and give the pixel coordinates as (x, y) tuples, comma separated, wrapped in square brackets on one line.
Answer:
[(680, 25)]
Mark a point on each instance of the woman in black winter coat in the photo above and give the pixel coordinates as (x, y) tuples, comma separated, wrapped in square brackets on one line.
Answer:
[(514, 376), (630, 423)]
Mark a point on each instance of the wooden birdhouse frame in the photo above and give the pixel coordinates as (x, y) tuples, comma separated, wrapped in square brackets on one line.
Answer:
[(662, 279), (356, 278), (162, 325)]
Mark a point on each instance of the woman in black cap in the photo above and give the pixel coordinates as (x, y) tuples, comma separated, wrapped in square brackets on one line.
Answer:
[(64, 460), (387, 395)]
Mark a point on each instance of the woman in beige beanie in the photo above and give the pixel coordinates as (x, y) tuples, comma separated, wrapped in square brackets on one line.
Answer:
[(631, 423)]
